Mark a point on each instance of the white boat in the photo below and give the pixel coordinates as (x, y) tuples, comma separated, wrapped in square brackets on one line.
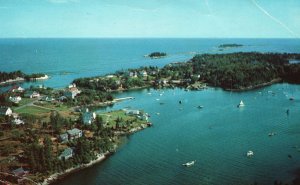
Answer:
[(200, 107), (241, 104), (250, 153), (191, 163)]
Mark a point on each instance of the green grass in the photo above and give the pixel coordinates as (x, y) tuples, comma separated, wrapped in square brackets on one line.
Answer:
[(25, 101), (32, 110), (111, 118), (58, 107)]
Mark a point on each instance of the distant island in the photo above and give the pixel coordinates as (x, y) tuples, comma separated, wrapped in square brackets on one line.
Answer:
[(156, 55), (224, 46), (18, 76)]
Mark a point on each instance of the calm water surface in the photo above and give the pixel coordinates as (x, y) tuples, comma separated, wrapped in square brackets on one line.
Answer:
[(217, 136)]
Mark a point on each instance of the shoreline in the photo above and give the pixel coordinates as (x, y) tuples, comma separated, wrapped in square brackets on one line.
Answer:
[(100, 157), (19, 79), (277, 80), (56, 176)]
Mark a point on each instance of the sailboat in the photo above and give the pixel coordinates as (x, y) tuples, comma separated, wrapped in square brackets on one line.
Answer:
[(191, 163), (241, 104)]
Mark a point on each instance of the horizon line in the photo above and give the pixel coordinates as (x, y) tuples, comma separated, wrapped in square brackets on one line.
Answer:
[(148, 38)]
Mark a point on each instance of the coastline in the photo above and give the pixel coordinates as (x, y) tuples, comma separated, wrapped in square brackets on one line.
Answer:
[(100, 157), (277, 80), (19, 79), (56, 176)]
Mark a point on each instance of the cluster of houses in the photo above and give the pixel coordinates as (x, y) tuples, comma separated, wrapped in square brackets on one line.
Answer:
[(69, 136), (135, 74), (6, 111), (139, 114)]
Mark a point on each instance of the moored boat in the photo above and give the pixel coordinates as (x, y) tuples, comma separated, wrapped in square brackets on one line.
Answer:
[(191, 163)]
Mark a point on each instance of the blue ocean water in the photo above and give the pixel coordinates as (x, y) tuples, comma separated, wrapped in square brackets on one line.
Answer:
[(66, 59), (217, 136)]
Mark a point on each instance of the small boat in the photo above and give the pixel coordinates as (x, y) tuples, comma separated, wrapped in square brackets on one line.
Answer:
[(292, 98), (191, 163), (180, 102), (250, 153), (272, 134), (241, 104), (200, 107)]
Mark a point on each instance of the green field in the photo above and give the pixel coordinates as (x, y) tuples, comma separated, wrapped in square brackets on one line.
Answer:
[(32, 110)]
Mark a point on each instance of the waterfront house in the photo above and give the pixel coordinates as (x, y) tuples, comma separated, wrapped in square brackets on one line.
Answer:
[(66, 154), (32, 94), (63, 137), (133, 74), (19, 172), (15, 99), (72, 92), (88, 117), (143, 73), (5, 111), (74, 133), (132, 112)]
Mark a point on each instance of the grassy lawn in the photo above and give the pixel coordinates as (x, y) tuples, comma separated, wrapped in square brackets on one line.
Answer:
[(58, 106), (111, 118), (32, 110), (25, 101)]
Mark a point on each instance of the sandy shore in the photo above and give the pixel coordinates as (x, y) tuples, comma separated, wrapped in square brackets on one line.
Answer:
[(40, 78), (57, 176)]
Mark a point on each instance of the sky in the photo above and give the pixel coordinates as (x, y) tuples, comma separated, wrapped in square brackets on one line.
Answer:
[(150, 18)]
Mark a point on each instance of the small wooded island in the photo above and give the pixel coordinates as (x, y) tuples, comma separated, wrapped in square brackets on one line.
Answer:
[(18, 76), (223, 46), (48, 132), (156, 55)]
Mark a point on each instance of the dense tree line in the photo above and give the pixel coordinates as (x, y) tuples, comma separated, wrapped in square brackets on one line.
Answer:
[(229, 71), (4, 76)]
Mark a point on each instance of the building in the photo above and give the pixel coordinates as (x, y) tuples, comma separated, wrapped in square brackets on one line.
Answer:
[(132, 112), (72, 92), (19, 172), (88, 117), (47, 98), (63, 137), (17, 121), (5, 111), (17, 89), (66, 154), (15, 99), (32, 94), (143, 73), (74, 133)]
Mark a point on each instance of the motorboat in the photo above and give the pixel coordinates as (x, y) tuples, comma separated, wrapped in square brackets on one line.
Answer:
[(250, 153), (191, 163)]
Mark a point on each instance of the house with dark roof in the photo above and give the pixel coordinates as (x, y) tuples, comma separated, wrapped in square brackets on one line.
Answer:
[(88, 117), (74, 133), (19, 172), (63, 137), (66, 154)]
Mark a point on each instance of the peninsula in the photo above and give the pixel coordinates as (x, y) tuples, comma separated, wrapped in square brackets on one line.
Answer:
[(50, 132)]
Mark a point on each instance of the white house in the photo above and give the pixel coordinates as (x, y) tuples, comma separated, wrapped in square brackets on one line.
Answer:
[(5, 111), (17, 121), (15, 99)]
